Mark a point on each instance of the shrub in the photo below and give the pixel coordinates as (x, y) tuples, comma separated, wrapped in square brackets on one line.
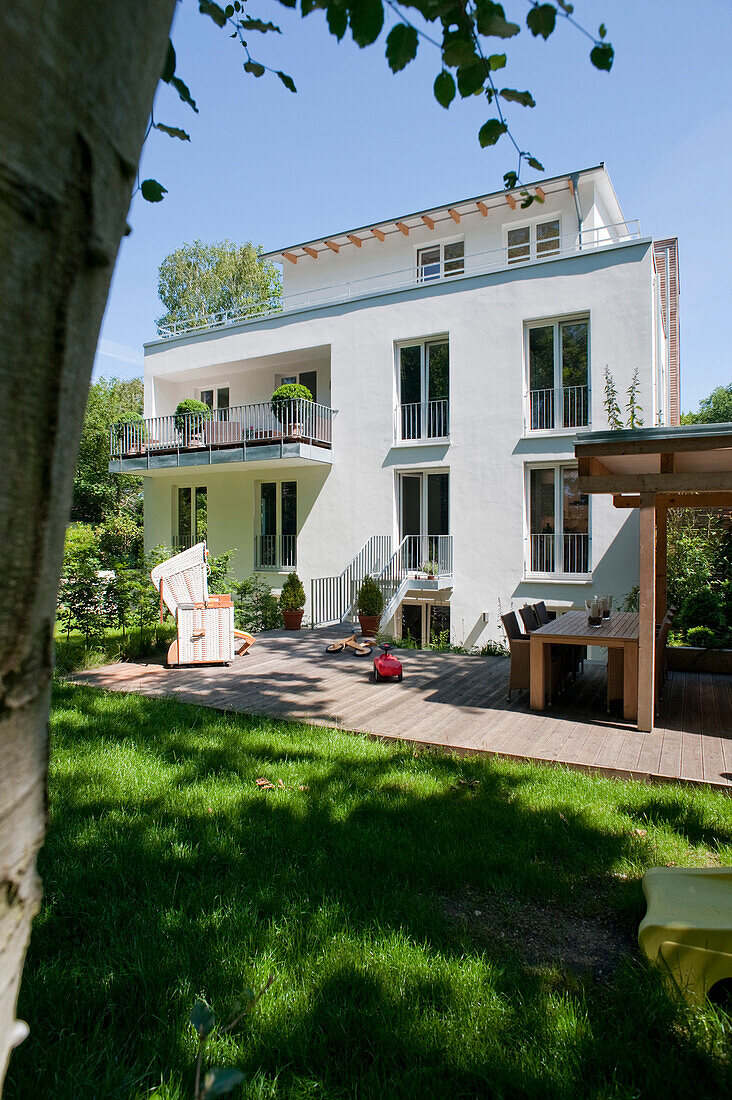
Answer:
[(370, 598), (218, 572), (292, 391), (120, 540), (292, 597), (185, 408), (703, 608), (256, 608), (81, 550), (703, 637)]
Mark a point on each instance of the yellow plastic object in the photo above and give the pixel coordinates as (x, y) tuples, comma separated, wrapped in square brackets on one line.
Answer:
[(687, 929)]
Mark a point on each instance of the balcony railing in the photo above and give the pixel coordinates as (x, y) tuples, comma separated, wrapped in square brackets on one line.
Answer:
[(422, 420), (253, 425), (276, 552), (477, 263), (429, 554), (563, 407), (569, 553)]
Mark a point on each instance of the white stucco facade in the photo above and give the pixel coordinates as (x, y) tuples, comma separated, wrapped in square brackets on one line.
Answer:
[(352, 492)]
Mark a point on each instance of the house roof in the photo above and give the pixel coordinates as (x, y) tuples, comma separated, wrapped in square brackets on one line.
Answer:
[(450, 212)]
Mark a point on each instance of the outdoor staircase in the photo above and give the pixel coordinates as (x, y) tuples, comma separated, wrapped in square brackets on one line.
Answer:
[(419, 562), (333, 599)]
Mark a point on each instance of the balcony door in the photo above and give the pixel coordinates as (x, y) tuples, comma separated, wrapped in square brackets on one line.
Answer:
[(424, 390), (424, 515), (217, 400), (558, 522), (558, 375), (276, 544)]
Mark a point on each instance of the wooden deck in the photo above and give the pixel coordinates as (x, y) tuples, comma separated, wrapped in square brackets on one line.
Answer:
[(456, 702)]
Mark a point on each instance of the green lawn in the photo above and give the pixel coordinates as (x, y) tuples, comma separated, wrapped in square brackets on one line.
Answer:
[(432, 922), (74, 651)]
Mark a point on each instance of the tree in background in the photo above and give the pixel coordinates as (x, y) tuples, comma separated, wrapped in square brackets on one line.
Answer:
[(97, 493), (715, 409), (198, 280)]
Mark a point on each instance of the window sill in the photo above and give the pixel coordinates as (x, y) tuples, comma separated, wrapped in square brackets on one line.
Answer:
[(532, 433), (437, 439), (557, 578)]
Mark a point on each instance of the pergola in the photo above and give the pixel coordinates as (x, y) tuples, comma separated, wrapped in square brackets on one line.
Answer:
[(654, 469)]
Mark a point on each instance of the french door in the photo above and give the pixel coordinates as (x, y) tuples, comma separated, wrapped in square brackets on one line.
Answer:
[(424, 516), (424, 382)]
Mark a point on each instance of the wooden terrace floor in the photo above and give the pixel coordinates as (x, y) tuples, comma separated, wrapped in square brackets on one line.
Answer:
[(456, 702)]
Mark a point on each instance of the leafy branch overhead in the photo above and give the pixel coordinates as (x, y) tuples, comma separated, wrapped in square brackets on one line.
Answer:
[(464, 33)]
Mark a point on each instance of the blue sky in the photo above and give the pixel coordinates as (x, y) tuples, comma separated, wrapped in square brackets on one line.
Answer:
[(357, 143)]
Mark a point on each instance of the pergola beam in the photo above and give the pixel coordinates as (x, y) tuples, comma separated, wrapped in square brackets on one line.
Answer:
[(379, 234), (647, 624), (402, 228), (719, 499), (680, 482), (428, 221), (483, 208), (354, 239), (310, 251)]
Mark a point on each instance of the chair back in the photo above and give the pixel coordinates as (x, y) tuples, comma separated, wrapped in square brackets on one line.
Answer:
[(528, 618), (511, 626), (541, 613), (184, 578)]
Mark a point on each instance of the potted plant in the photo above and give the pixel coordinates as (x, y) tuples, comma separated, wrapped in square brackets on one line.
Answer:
[(370, 605), (189, 417), (286, 405), (292, 602), (430, 569)]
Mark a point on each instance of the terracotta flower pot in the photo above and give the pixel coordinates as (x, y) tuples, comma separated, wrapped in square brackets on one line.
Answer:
[(369, 624), (293, 619)]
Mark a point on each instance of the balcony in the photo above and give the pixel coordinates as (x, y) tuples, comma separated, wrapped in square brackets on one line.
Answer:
[(422, 421), (277, 553), (562, 555), (477, 263), (563, 407), (243, 433)]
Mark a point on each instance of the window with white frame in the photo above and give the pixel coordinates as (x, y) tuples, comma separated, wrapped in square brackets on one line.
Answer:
[(557, 357), (276, 543), (192, 516), (558, 516), (533, 241), (440, 260), (217, 399), (423, 383)]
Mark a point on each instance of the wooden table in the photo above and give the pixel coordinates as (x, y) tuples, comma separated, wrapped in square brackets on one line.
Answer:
[(620, 631)]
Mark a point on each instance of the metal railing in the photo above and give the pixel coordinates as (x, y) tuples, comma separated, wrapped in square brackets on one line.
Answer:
[(275, 552), (417, 556), (332, 599), (422, 420), (571, 402), (477, 263), (298, 420), (550, 553)]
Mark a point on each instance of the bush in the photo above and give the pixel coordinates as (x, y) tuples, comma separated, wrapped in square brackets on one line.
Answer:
[(292, 391), (185, 408), (218, 572), (704, 638), (256, 608), (121, 539), (292, 597), (702, 609), (370, 598)]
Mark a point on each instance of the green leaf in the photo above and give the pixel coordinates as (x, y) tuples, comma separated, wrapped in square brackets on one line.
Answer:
[(229, 11), (496, 61), (490, 20), (510, 180), (172, 131), (202, 1019), (444, 88), (218, 1082), (183, 92), (527, 199), (458, 48), (336, 15), (258, 25), (401, 46), (602, 30), (470, 78), (207, 7), (153, 191), (254, 68), (490, 132), (287, 81), (542, 20), (367, 19), (169, 67), (602, 56), (568, 8), (524, 98), (535, 164)]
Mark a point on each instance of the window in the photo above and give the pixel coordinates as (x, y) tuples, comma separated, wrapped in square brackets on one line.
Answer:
[(423, 411), (558, 522), (217, 400), (424, 521), (557, 355), (276, 543), (440, 259), (192, 517), (307, 378), (532, 242)]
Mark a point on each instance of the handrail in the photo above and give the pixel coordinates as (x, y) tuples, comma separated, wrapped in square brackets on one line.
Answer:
[(332, 599), (419, 420), (477, 263)]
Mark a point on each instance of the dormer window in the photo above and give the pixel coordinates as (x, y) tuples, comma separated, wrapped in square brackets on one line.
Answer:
[(532, 242), (440, 260)]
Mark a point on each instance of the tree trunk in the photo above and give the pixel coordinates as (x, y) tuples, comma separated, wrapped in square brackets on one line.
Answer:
[(78, 84)]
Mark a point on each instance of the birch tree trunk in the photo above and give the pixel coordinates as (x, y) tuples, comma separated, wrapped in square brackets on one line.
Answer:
[(78, 85)]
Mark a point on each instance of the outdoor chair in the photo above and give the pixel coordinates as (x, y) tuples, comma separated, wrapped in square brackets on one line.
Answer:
[(519, 645), (541, 613), (205, 631), (529, 618), (574, 655)]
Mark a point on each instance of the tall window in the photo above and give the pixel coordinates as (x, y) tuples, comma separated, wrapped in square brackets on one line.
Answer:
[(276, 544), (192, 516), (440, 260), (217, 400), (532, 242), (558, 375), (558, 517), (424, 391), (307, 378)]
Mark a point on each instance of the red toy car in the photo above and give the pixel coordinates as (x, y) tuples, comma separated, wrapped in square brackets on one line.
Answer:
[(387, 666)]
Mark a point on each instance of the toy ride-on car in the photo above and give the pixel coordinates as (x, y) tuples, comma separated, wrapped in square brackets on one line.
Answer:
[(387, 666)]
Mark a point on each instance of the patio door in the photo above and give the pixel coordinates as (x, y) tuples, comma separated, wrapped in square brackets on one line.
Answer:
[(424, 515), (424, 390)]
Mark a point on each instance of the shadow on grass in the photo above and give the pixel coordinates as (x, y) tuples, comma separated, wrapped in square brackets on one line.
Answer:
[(170, 874)]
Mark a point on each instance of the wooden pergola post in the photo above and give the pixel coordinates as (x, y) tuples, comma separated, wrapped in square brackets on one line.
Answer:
[(647, 626), (661, 568)]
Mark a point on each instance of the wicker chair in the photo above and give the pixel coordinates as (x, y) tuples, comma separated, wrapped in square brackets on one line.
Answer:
[(541, 613), (518, 643), (529, 618), (573, 655)]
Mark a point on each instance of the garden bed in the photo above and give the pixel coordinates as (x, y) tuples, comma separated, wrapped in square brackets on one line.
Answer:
[(686, 658)]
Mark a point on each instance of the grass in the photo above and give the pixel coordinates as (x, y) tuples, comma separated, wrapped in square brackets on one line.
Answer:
[(75, 651), (362, 883)]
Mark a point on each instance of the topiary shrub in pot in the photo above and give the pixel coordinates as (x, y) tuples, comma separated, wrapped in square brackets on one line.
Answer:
[(292, 602), (190, 415), (370, 605), (286, 404)]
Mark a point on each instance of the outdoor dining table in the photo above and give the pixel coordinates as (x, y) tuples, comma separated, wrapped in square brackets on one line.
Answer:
[(620, 631)]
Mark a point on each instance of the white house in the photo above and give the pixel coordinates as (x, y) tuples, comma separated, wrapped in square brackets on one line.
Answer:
[(453, 355)]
